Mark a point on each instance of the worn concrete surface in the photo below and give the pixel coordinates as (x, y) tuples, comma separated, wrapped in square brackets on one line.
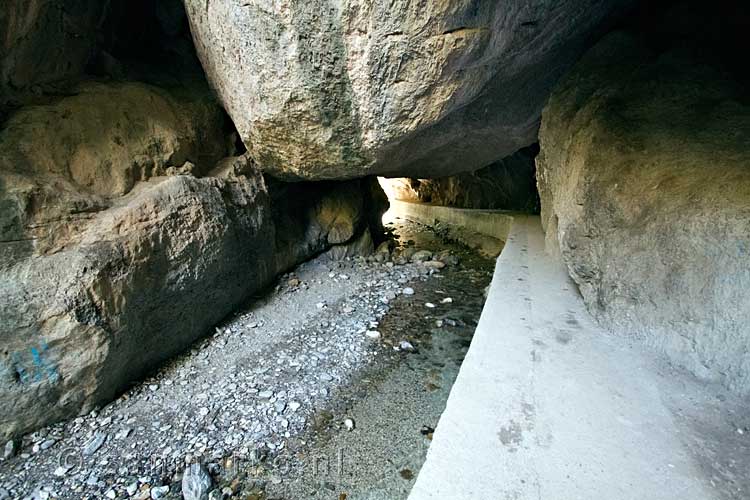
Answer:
[(483, 230), (548, 406)]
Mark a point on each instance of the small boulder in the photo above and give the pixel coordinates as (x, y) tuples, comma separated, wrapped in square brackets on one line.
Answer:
[(11, 448), (421, 256), (196, 482), (96, 442)]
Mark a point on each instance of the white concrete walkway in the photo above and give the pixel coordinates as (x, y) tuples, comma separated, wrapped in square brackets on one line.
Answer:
[(547, 406)]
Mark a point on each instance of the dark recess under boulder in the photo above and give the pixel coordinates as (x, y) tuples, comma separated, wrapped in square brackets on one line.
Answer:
[(508, 184)]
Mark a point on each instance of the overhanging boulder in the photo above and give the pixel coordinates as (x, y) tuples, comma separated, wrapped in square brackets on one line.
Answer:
[(326, 90)]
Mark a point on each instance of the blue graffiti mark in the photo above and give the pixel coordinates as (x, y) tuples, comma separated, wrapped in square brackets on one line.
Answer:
[(38, 362), (39, 368)]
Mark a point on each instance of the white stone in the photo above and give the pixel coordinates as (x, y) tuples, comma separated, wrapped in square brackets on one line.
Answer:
[(159, 492), (196, 482)]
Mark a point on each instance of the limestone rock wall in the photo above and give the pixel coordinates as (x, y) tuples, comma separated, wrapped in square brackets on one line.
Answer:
[(644, 176), (327, 89), (124, 239), (42, 41)]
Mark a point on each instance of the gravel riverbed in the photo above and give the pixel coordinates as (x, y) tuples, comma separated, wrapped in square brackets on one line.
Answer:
[(329, 385)]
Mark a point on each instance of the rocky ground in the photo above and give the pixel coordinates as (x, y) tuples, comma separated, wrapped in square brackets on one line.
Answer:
[(327, 386)]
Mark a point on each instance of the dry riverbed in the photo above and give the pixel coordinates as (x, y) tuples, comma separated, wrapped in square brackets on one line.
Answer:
[(327, 386)]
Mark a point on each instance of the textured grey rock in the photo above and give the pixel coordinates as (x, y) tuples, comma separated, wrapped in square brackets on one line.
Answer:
[(62, 163), (644, 176), (158, 492), (324, 90), (46, 40), (146, 279), (121, 244), (10, 449), (196, 482), (96, 442)]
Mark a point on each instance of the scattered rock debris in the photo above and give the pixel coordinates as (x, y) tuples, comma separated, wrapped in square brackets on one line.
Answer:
[(251, 410)]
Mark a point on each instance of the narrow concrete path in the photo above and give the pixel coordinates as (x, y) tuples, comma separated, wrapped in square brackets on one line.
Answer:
[(548, 406)]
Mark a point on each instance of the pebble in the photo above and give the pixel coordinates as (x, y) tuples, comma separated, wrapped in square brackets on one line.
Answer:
[(96, 442), (294, 406), (408, 291), (10, 450), (61, 470), (429, 305), (421, 256), (47, 444), (373, 334), (153, 387), (349, 424), (407, 346), (196, 482), (446, 300), (434, 264), (159, 492), (112, 494), (123, 434), (265, 394), (131, 489)]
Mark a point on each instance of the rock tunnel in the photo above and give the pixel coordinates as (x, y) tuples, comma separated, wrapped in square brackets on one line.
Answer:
[(368, 249)]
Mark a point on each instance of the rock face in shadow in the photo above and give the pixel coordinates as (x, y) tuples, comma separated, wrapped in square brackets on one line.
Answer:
[(42, 41), (312, 217), (326, 90), (508, 184), (124, 239), (644, 177)]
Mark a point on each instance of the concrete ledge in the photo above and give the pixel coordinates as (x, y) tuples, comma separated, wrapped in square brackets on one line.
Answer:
[(547, 406), (485, 230)]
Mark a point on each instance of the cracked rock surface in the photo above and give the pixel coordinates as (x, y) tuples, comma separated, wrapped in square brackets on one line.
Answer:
[(322, 89)]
